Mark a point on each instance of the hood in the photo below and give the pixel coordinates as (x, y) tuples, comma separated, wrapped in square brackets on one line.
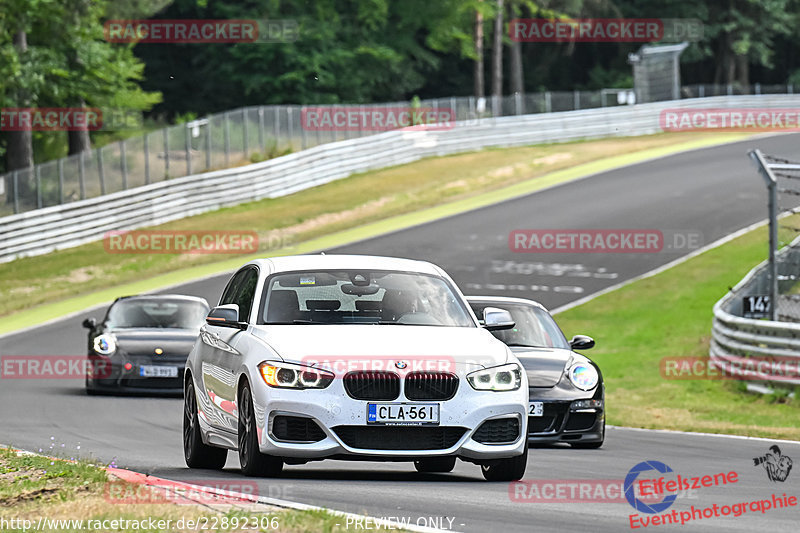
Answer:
[(173, 342), (545, 366), (372, 345)]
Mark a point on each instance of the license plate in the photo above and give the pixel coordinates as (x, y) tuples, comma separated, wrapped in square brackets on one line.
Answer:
[(403, 414), (150, 371), (536, 409)]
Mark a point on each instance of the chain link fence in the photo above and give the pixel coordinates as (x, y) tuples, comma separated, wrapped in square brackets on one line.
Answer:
[(253, 134)]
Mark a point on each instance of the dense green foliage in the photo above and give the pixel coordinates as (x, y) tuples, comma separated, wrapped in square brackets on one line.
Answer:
[(354, 51)]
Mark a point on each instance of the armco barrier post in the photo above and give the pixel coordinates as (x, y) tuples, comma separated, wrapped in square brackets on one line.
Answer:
[(100, 171), (38, 175), (146, 150), (82, 174), (15, 185), (166, 153), (772, 194), (123, 165), (60, 181), (188, 141), (227, 125), (261, 145)]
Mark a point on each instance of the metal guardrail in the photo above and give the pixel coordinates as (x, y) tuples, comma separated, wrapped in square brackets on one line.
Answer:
[(63, 226), (240, 136), (256, 133), (735, 338)]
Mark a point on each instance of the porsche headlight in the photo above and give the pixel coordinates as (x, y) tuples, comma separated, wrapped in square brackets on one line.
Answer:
[(293, 376), (105, 344), (497, 378), (583, 375)]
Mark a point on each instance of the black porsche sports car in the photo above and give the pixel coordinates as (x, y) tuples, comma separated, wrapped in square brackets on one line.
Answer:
[(567, 394), (142, 344)]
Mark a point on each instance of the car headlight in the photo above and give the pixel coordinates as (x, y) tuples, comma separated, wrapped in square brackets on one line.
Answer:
[(105, 344), (586, 404), (497, 378), (293, 376), (583, 375)]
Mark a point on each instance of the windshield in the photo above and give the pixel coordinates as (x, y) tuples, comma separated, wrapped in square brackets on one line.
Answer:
[(533, 327), (362, 297), (156, 313)]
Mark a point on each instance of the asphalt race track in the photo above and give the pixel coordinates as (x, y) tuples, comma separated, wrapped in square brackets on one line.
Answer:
[(711, 192)]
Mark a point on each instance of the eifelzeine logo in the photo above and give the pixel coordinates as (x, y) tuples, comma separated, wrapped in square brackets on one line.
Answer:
[(775, 463)]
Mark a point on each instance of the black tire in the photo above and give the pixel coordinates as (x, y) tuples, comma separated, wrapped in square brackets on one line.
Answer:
[(511, 469), (254, 463), (196, 453), (433, 465), (591, 445)]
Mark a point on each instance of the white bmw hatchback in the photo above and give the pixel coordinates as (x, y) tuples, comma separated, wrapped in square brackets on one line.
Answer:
[(353, 357)]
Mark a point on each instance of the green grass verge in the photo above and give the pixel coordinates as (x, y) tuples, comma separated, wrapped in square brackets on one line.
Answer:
[(36, 289), (669, 315), (34, 487)]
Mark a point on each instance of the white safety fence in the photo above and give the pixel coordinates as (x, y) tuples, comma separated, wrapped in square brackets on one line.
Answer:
[(52, 228)]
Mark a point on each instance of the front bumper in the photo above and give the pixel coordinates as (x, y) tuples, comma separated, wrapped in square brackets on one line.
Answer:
[(345, 433), (561, 422), (110, 375)]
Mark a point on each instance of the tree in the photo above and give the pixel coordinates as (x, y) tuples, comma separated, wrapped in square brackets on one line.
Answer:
[(58, 57)]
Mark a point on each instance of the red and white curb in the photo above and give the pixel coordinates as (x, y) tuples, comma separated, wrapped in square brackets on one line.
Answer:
[(190, 493)]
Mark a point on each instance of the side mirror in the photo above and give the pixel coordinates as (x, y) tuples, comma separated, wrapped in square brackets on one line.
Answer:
[(494, 319), (226, 316), (90, 323), (581, 342)]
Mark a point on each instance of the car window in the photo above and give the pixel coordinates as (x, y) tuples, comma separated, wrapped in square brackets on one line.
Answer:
[(229, 294), (533, 326), (362, 297), (245, 292), (156, 313)]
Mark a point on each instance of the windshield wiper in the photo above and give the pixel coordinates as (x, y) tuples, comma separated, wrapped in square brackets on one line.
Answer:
[(516, 344)]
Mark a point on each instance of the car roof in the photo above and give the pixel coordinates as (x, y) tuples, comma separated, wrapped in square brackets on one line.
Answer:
[(505, 300), (162, 297), (293, 263)]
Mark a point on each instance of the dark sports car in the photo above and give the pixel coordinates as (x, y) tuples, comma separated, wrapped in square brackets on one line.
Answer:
[(567, 394), (142, 344)]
